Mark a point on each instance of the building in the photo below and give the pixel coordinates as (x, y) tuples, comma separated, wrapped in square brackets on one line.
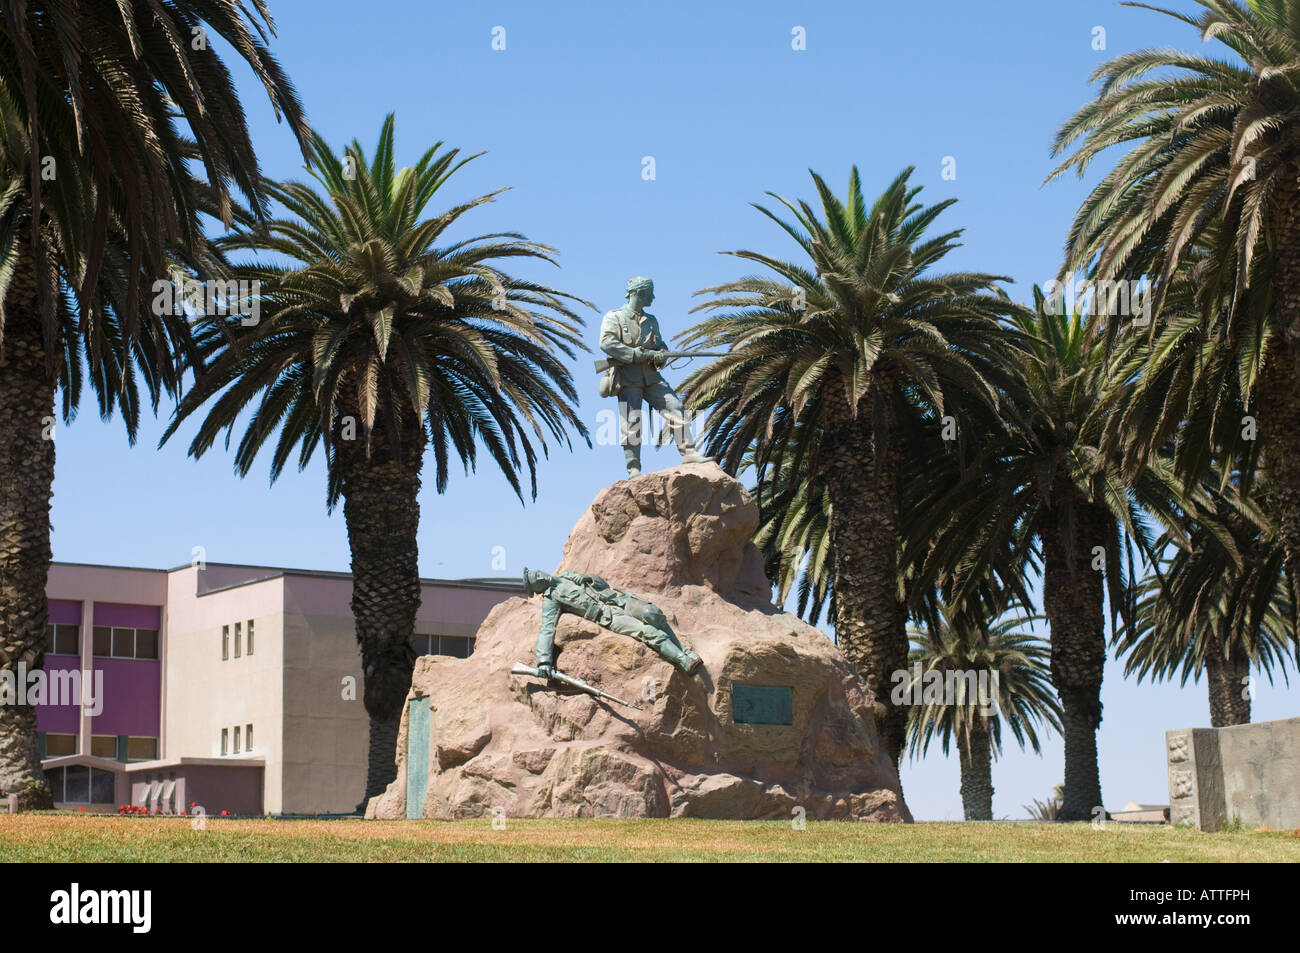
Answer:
[(231, 688), (1135, 813)]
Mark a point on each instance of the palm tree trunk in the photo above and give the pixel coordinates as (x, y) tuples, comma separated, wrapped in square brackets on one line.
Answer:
[(382, 512), (26, 487), (1074, 602), (870, 625), (1278, 387), (1229, 700), (977, 773)]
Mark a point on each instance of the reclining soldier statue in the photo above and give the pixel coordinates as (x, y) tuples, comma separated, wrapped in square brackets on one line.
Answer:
[(597, 601)]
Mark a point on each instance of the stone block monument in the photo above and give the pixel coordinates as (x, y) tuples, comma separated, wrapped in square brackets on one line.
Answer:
[(1244, 773)]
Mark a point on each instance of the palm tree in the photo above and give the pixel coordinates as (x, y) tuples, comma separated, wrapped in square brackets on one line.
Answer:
[(106, 110), (1045, 481), (1183, 390), (1012, 666), (1220, 606), (826, 361), (795, 518), (1213, 157), (1049, 810), (380, 338)]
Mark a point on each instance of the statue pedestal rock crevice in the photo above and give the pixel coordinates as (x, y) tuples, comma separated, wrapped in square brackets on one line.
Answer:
[(775, 721)]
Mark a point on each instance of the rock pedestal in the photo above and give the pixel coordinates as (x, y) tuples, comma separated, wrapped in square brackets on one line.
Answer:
[(776, 721)]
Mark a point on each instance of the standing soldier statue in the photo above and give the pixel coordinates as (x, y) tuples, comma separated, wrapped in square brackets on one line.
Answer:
[(597, 601), (631, 338)]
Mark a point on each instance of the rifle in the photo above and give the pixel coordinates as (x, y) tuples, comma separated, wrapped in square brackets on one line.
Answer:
[(605, 363), (573, 682)]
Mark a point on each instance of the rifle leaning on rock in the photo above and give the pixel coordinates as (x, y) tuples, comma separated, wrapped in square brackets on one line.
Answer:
[(605, 363), (573, 682)]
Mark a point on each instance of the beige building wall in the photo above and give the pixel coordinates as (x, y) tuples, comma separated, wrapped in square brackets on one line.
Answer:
[(326, 728), (206, 694)]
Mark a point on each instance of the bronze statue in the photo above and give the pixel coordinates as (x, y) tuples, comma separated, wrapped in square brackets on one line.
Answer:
[(597, 601), (636, 349)]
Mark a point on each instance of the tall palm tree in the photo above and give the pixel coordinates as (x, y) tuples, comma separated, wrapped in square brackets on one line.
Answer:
[(1013, 665), (795, 517), (826, 358), (1183, 390), (120, 124), (1213, 147), (1045, 481), (382, 337), (1220, 606)]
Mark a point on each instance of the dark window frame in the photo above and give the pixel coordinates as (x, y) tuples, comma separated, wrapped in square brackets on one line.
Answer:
[(52, 631), (113, 632), (131, 738)]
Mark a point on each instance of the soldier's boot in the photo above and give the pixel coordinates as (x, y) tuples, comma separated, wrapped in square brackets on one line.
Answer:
[(632, 457), (687, 662), (689, 453)]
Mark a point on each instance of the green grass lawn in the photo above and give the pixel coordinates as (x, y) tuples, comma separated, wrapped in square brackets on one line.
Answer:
[(54, 836)]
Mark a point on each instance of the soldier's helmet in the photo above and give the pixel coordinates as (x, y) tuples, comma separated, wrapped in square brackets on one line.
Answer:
[(637, 283), (535, 582)]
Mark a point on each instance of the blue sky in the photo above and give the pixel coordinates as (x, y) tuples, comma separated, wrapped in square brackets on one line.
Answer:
[(566, 113)]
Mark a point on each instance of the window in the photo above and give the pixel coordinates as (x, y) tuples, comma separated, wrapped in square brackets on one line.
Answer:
[(248, 737), (122, 642), (456, 646), (58, 746), (236, 739), (63, 639), (225, 741), (103, 746), (146, 643), (78, 784), (250, 637), (141, 749), (103, 785), (238, 629), (225, 645)]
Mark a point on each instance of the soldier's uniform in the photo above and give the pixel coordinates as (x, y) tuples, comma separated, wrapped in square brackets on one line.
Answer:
[(633, 382), (597, 601)]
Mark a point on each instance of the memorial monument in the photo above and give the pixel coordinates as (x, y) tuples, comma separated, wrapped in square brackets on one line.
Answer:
[(773, 723), (665, 682)]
